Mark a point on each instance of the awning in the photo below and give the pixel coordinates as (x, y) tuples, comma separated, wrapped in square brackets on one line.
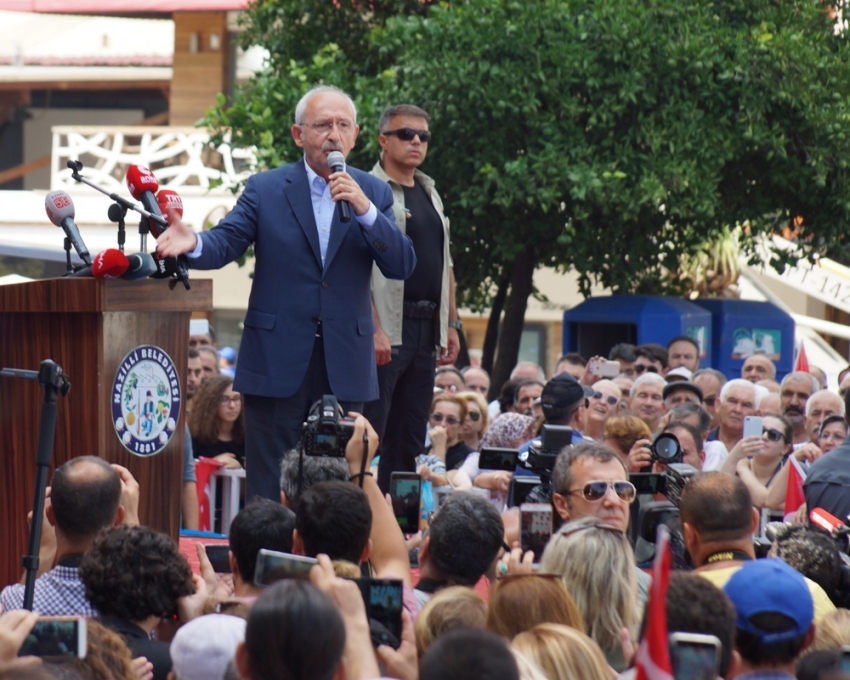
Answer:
[(134, 7)]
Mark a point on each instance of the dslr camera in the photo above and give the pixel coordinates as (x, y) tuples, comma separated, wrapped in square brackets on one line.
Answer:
[(665, 449), (327, 430)]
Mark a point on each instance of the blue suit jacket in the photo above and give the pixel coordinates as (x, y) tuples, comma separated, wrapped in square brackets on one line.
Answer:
[(291, 289)]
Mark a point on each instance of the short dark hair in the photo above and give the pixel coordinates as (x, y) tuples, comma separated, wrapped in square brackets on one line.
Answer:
[(469, 654), (315, 469), (652, 351), (294, 631), (816, 665), (194, 354), (756, 653), (133, 573), (562, 474), (260, 524), (690, 429), (466, 535), (507, 394), (401, 110), (718, 506), (811, 552), (572, 358), (684, 338), (624, 351), (334, 518), (85, 503), (695, 605)]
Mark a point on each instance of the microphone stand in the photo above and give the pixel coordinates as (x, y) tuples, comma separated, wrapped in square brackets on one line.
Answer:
[(54, 381), (69, 268), (117, 213)]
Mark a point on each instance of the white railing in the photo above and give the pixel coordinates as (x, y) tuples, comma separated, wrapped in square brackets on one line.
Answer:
[(182, 158)]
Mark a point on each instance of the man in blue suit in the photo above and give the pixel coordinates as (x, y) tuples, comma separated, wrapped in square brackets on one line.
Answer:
[(309, 328)]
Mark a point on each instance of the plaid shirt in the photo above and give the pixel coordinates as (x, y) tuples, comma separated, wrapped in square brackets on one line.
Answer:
[(59, 592)]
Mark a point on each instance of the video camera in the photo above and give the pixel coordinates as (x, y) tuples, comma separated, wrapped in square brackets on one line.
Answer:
[(540, 459), (327, 431)]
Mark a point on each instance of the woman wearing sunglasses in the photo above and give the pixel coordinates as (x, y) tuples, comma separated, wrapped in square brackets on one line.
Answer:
[(761, 471), (440, 461), (477, 420), (602, 404)]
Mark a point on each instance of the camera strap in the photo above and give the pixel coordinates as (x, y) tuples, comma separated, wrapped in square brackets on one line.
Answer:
[(728, 556)]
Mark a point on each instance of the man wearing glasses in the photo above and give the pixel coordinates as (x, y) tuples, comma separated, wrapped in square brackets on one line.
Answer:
[(416, 321), (308, 328)]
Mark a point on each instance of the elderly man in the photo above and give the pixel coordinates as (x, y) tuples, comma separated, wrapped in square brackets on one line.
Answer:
[(821, 404), (757, 367), (476, 379), (794, 392), (647, 397), (737, 400), (679, 392)]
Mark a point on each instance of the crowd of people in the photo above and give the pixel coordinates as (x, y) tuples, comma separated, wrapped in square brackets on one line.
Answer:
[(474, 605)]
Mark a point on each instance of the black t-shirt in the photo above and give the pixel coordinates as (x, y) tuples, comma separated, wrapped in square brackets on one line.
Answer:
[(211, 451), (425, 229), (455, 455), (827, 486)]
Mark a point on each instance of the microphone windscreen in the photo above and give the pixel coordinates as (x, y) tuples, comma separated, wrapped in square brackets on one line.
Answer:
[(169, 200), (336, 161), (139, 180), (142, 265), (165, 268), (109, 264), (58, 205)]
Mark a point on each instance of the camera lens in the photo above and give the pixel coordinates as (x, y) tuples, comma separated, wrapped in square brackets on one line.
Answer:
[(666, 447)]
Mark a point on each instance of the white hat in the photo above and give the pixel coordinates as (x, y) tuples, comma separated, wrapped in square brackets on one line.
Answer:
[(203, 647), (680, 373)]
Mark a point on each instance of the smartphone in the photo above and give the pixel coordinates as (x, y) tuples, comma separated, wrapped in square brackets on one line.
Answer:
[(605, 368), (383, 600), (535, 528), (405, 491), (498, 459), (752, 426), (519, 489), (56, 636), (217, 555), (694, 656), (273, 566)]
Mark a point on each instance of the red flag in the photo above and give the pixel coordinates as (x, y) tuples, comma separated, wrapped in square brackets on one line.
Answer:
[(802, 360), (794, 496), (653, 655), (204, 467)]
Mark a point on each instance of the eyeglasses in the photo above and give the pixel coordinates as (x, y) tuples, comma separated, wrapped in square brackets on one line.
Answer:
[(772, 435), (439, 418), (595, 490), (323, 127), (474, 416), (407, 134), (640, 368), (709, 401), (236, 399), (611, 400)]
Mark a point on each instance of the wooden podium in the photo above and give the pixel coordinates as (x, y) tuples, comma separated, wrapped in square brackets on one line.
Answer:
[(87, 326)]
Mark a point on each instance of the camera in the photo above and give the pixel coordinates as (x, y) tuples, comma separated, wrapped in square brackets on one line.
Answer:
[(327, 431), (543, 452), (666, 449)]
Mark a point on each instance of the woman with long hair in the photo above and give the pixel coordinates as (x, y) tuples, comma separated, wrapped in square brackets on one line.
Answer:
[(760, 471), (563, 653), (217, 422)]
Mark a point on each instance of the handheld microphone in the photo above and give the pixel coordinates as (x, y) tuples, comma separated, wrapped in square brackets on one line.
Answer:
[(109, 264), (826, 520), (169, 200), (336, 161), (141, 266), (60, 211), (143, 187)]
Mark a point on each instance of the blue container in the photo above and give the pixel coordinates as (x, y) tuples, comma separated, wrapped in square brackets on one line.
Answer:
[(742, 327), (597, 324)]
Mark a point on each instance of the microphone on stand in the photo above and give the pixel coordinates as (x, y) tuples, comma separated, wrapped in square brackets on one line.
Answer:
[(169, 200), (141, 266), (109, 264), (60, 210), (336, 161)]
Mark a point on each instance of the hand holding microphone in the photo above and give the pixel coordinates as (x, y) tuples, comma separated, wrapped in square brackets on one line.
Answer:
[(344, 190)]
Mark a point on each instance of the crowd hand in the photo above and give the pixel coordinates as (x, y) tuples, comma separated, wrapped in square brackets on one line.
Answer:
[(438, 437), (14, 628), (502, 480), (663, 421), (354, 448), (217, 585), (142, 668), (628, 646), (414, 541), (801, 516), (747, 447), (425, 473), (402, 663), (587, 377), (178, 239), (639, 456), (810, 452), (360, 661), (192, 606), (383, 349), (449, 354), (47, 543), (516, 562), (129, 496), (229, 461)]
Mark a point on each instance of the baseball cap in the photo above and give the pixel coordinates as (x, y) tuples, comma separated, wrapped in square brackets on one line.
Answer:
[(561, 392), (228, 354), (679, 373), (203, 647), (681, 385), (770, 586)]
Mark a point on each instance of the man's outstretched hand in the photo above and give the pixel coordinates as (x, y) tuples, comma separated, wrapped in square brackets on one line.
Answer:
[(178, 239)]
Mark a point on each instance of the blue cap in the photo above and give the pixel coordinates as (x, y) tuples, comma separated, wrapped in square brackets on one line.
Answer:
[(228, 354), (770, 586)]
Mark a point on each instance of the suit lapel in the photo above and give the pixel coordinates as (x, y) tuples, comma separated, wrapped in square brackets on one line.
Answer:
[(338, 232), (297, 191)]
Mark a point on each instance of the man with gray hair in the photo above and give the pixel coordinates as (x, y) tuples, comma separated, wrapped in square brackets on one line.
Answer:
[(309, 329), (647, 398), (794, 391), (821, 404), (737, 400)]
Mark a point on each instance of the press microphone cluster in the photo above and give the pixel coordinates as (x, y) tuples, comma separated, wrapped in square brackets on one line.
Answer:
[(113, 264)]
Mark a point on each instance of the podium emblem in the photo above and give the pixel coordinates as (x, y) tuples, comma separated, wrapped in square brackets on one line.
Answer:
[(145, 400)]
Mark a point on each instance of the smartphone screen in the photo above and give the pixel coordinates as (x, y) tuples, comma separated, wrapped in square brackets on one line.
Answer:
[(217, 555), (535, 528), (383, 600), (273, 566), (498, 459), (56, 636), (405, 489), (752, 426), (694, 656)]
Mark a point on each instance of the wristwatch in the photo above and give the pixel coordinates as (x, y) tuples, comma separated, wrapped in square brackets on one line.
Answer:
[(457, 323)]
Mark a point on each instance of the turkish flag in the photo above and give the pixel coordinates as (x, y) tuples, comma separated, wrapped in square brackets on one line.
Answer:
[(653, 655), (204, 467), (802, 360), (794, 496)]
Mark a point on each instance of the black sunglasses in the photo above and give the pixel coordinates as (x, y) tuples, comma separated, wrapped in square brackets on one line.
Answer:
[(407, 134), (474, 416), (640, 368), (773, 435), (611, 400), (439, 418)]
